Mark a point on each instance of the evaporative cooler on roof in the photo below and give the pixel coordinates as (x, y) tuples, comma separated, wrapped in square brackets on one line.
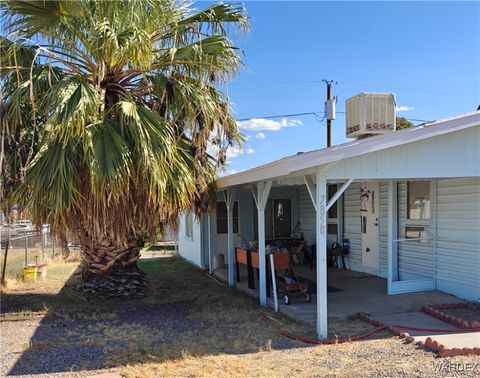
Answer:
[(370, 114)]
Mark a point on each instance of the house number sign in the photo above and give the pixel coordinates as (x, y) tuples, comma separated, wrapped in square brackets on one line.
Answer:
[(321, 208)]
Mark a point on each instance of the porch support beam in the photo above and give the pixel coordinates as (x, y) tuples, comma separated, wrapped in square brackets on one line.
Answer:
[(338, 193), (392, 231), (321, 235), (209, 243), (230, 195), (254, 194), (261, 198), (310, 183)]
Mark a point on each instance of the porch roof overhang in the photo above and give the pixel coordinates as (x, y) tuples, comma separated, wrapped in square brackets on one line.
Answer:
[(289, 168)]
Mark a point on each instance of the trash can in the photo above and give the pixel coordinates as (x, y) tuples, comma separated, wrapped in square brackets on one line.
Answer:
[(30, 273)]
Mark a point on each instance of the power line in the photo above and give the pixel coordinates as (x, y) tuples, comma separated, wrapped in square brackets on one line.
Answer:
[(316, 114), (420, 90), (282, 116)]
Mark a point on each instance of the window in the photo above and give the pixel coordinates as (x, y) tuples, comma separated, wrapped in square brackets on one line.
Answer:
[(418, 211), (222, 218), (420, 233), (278, 218), (418, 206), (282, 217), (188, 226)]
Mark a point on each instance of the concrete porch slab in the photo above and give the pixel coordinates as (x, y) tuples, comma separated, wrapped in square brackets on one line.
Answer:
[(357, 292), (421, 320)]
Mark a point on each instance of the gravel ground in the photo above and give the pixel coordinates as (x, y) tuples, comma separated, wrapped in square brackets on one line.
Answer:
[(15, 341), (187, 326), (66, 343)]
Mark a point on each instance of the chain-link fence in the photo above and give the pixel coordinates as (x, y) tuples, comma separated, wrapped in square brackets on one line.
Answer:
[(27, 252)]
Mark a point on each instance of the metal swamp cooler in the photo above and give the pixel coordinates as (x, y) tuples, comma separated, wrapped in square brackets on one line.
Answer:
[(370, 114)]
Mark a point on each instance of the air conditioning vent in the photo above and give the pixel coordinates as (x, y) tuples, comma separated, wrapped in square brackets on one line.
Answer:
[(370, 114)]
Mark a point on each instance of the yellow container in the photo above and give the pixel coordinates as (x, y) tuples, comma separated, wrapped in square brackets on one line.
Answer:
[(30, 273)]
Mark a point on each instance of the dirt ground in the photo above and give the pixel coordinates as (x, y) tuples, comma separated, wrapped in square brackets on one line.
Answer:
[(189, 325)]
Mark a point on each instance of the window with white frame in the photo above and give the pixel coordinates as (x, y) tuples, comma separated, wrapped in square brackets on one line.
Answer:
[(418, 211), (188, 225)]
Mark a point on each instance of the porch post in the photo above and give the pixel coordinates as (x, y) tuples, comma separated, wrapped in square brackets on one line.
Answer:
[(229, 203), (263, 191), (209, 244), (321, 234), (392, 236)]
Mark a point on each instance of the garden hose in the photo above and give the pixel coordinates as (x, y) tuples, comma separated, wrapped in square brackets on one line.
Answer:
[(268, 320)]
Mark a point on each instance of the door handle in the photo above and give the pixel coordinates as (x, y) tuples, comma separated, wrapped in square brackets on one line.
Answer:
[(367, 249)]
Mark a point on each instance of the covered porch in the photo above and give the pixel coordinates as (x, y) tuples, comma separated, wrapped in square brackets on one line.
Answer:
[(348, 293), (336, 293), (386, 186)]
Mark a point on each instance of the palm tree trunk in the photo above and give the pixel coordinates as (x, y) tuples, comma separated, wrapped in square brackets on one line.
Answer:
[(111, 269)]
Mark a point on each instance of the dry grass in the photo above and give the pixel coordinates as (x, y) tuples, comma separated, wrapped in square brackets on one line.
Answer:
[(190, 325), (59, 271), (374, 358)]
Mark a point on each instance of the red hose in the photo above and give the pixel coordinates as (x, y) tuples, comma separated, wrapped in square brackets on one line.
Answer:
[(363, 335)]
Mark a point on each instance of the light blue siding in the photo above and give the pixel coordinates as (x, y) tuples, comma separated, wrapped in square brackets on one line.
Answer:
[(307, 215), (306, 212), (458, 237), (352, 226), (383, 224)]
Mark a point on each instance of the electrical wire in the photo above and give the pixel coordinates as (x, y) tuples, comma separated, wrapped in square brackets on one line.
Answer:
[(421, 90), (317, 116), (281, 116)]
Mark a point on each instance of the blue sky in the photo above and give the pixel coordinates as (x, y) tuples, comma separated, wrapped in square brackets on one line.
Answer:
[(428, 53)]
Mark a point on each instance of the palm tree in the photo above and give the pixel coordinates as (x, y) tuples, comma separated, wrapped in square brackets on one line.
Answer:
[(122, 116)]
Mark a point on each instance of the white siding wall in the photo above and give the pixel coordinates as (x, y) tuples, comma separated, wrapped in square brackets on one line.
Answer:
[(383, 229), (458, 237), (190, 248), (352, 226), (306, 213)]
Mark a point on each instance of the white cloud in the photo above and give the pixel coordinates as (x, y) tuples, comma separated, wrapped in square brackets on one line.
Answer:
[(268, 124), (404, 108), (235, 151), (260, 135)]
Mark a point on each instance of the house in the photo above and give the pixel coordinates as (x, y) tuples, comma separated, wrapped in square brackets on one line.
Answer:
[(407, 202)]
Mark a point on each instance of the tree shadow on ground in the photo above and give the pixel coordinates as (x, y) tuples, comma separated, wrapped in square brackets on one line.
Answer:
[(186, 312)]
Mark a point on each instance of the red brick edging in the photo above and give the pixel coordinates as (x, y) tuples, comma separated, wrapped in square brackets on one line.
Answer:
[(436, 311), (429, 343), (377, 323), (447, 352)]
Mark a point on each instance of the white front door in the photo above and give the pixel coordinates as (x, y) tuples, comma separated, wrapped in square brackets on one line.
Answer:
[(369, 213)]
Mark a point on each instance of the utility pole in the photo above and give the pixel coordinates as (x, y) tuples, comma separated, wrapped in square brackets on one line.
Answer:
[(329, 110), (329, 121)]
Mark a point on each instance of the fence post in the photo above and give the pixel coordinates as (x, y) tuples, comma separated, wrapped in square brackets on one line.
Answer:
[(26, 249), (42, 242), (53, 247), (5, 256)]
